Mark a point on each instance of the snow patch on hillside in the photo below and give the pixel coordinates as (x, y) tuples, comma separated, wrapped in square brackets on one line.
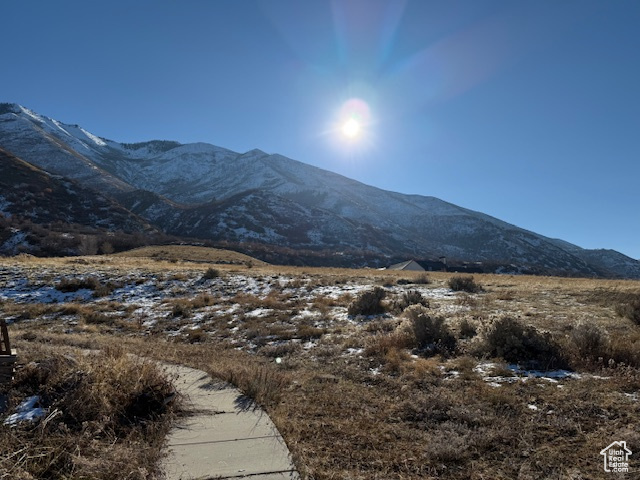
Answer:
[(31, 114), (97, 140)]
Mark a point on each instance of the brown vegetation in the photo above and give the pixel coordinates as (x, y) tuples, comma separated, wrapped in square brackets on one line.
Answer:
[(106, 416), (463, 284), (428, 393), (191, 253), (368, 303)]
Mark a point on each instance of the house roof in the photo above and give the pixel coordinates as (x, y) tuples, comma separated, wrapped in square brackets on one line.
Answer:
[(408, 265)]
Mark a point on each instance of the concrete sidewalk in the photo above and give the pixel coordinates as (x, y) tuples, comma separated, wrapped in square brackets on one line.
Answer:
[(224, 436)]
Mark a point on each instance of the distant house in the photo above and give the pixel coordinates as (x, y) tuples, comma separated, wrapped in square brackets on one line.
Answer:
[(433, 266), (409, 265), (439, 266), (467, 267)]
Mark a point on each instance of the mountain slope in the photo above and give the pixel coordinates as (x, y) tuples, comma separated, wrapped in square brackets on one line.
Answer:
[(51, 215), (201, 190), (31, 193), (54, 147), (609, 261)]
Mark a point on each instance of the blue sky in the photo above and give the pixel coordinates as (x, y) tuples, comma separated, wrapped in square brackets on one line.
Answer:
[(525, 110)]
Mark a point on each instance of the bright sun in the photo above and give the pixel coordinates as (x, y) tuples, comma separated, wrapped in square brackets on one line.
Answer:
[(351, 128)]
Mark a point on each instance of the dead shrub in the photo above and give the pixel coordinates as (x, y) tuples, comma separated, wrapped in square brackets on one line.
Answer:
[(102, 291), (464, 284), (629, 308), (275, 300), (427, 409), (431, 334), (125, 390), (626, 304), (624, 350), (368, 303), (73, 284), (73, 308), (181, 308), (412, 297), (509, 339), (466, 329), (589, 341), (211, 273), (264, 385), (506, 296)]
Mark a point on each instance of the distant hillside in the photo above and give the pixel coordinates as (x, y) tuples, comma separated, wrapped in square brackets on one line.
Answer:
[(208, 192), (29, 192), (46, 214), (190, 253)]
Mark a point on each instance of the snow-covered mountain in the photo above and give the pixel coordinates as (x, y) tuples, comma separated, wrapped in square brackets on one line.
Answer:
[(201, 190)]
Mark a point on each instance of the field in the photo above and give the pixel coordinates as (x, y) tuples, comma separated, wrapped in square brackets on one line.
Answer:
[(368, 374)]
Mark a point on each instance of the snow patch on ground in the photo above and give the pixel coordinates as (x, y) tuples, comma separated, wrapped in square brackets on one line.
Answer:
[(26, 412), (22, 291), (259, 312), (520, 374)]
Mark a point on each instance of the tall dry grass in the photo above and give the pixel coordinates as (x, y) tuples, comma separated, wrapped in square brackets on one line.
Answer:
[(107, 416)]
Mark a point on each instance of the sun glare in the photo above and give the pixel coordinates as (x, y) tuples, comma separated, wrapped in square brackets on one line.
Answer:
[(351, 128), (353, 122)]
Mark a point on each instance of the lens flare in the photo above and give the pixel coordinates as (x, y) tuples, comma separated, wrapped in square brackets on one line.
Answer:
[(355, 109)]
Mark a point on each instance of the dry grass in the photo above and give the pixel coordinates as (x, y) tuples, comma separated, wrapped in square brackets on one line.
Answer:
[(107, 416), (354, 397), (417, 278)]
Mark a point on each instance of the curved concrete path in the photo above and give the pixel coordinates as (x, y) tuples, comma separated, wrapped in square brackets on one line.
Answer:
[(224, 435)]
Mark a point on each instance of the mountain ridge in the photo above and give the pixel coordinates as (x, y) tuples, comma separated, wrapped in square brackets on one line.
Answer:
[(201, 190)]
